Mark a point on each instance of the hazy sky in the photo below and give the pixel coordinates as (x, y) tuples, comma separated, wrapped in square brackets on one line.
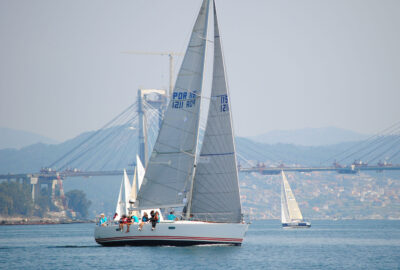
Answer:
[(290, 64)]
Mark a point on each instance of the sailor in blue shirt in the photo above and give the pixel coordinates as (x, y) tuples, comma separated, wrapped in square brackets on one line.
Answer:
[(171, 216), (103, 220), (135, 219)]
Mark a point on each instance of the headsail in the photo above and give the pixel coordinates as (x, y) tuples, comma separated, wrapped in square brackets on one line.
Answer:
[(292, 207), (140, 172), (215, 195), (123, 197), (133, 194), (170, 167)]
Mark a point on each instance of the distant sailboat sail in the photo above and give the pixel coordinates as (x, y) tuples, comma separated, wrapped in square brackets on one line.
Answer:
[(133, 194), (140, 172), (290, 212), (169, 171), (123, 197), (215, 195)]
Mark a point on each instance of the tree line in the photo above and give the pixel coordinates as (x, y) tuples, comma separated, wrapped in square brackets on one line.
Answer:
[(16, 200)]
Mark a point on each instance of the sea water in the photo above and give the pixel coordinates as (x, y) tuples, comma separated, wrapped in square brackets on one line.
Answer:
[(347, 244)]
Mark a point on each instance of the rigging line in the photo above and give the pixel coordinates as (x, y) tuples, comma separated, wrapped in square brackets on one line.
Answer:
[(95, 141), (94, 144), (244, 159), (362, 142), (153, 109), (86, 140), (253, 149), (127, 150), (387, 150), (373, 137), (115, 145), (379, 141), (77, 157), (103, 152), (395, 154)]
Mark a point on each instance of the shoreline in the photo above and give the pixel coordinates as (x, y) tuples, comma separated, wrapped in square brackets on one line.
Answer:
[(40, 221)]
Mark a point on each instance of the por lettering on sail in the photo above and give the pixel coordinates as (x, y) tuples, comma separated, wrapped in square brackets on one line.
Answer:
[(184, 99)]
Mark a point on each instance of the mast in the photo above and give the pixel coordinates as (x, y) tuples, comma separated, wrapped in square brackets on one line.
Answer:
[(192, 176), (215, 193), (171, 163)]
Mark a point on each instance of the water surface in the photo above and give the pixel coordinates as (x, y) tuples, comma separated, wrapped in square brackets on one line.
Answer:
[(372, 244)]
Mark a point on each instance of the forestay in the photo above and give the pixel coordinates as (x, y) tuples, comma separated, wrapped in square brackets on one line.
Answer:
[(292, 207), (215, 195), (169, 171)]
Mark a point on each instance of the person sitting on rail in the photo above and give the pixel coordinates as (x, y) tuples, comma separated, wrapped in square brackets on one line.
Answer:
[(135, 219), (154, 219), (103, 220), (122, 221), (145, 219), (128, 223), (171, 216)]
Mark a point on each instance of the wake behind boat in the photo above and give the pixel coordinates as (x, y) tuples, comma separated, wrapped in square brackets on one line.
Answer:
[(290, 212), (204, 183)]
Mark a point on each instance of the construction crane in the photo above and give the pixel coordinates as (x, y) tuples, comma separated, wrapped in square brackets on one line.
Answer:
[(171, 63)]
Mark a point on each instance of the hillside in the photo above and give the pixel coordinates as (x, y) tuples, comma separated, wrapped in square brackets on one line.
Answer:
[(12, 138), (320, 195), (310, 136)]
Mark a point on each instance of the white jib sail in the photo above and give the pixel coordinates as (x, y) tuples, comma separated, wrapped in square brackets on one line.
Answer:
[(170, 167), (123, 197), (133, 194), (215, 195), (140, 172), (292, 206)]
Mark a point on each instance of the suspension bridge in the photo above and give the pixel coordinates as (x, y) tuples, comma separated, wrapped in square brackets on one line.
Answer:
[(113, 147)]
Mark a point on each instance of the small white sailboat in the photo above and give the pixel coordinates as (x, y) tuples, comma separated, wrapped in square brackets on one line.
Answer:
[(291, 216), (205, 182), (123, 198)]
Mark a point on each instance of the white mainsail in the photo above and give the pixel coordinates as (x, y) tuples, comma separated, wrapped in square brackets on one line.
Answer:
[(215, 195), (170, 168), (123, 197), (284, 210), (290, 209)]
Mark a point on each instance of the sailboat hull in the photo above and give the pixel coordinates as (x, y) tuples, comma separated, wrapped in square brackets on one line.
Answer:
[(297, 225), (178, 233)]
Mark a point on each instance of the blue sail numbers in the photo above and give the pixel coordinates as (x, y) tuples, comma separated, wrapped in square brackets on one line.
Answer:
[(224, 103), (184, 99)]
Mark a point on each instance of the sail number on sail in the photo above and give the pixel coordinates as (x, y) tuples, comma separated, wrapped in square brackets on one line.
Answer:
[(224, 103), (184, 99)]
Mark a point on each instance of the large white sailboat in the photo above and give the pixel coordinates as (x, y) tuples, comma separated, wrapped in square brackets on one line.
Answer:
[(291, 216), (205, 182)]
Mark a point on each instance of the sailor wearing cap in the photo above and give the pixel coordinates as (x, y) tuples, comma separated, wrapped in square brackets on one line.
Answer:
[(103, 220)]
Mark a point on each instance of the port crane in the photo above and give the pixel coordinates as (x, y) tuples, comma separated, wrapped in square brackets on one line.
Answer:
[(171, 63)]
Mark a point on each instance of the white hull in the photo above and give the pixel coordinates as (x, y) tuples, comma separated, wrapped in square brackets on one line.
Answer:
[(175, 233), (300, 224)]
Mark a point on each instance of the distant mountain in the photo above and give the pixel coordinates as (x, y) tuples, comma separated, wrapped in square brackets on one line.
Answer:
[(260, 192), (310, 136), (12, 138)]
